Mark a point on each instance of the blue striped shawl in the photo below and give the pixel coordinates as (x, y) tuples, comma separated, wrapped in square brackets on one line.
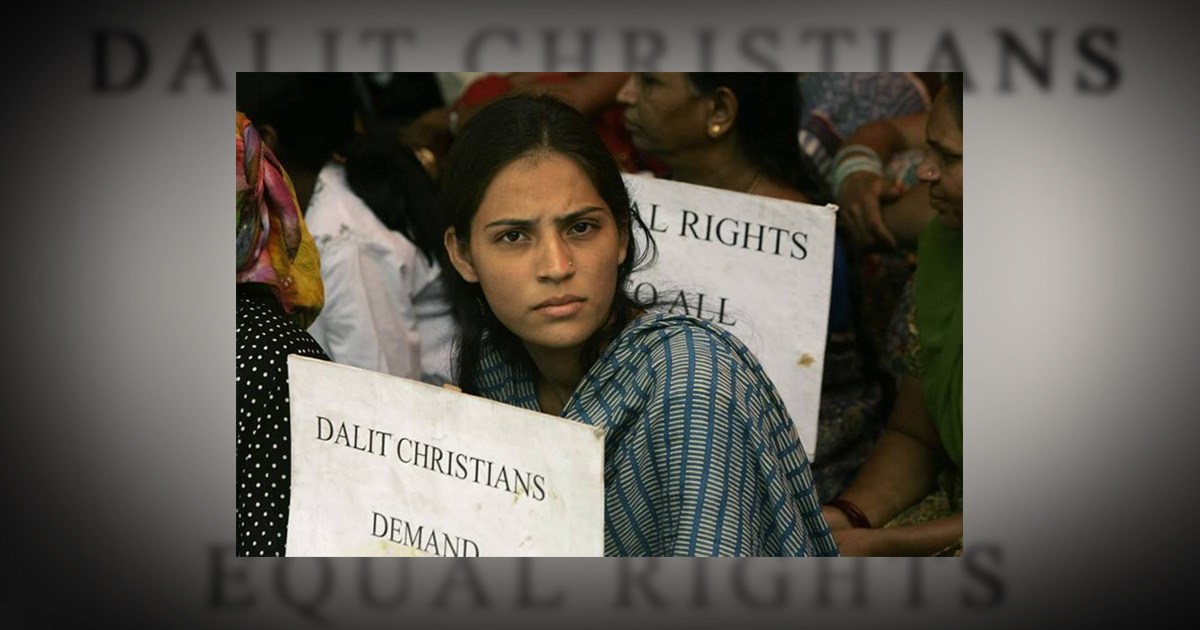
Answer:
[(701, 457)]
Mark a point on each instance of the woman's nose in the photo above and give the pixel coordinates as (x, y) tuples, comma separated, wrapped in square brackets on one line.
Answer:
[(628, 92), (555, 261), (929, 170)]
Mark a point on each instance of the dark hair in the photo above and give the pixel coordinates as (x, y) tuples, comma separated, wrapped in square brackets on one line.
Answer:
[(503, 132), (394, 185), (767, 128), (954, 95), (313, 113)]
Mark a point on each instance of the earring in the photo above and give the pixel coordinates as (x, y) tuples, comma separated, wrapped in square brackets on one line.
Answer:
[(716, 129)]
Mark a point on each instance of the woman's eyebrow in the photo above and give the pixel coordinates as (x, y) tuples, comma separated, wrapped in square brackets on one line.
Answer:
[(524, 223), (528, 223), (567, 218), (941, 148)]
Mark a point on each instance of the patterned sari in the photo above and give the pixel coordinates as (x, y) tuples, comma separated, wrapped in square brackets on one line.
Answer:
[(701, 457)]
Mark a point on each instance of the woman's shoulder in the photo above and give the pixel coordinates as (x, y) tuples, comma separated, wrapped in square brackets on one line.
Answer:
[(678, 362), (262, 325), (667, 339), (341, 220)]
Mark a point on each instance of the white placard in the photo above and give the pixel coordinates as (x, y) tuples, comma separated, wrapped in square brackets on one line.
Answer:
[(761, 268), (383, 465)]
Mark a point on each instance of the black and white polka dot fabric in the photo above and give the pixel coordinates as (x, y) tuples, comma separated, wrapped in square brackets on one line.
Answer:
[(265, 337)]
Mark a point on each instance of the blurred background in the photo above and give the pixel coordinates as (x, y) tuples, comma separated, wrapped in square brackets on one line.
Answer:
[(1081, 306)]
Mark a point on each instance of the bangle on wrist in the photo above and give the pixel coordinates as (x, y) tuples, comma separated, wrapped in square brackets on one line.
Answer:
[(852, 165), (857, 148), (854, 158), (852, 512)]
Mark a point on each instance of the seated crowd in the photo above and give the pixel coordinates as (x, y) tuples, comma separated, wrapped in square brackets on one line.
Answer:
[(476, 232)]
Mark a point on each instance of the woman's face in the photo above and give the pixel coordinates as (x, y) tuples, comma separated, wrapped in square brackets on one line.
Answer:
[(943, 164), (663, 115), (545, 248)]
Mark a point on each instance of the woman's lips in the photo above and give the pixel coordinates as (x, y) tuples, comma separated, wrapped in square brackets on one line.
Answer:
[(559, 308)]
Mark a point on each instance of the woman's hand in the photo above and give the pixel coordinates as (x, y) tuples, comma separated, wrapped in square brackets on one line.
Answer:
[(860, 198), (923, 539), (861, 192), (836, 518), (862, 542)]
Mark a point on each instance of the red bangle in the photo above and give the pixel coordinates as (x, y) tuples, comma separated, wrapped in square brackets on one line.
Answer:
[(852, 512)]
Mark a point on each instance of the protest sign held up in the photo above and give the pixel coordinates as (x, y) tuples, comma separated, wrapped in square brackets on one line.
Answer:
[(761, 268), (388, 466)]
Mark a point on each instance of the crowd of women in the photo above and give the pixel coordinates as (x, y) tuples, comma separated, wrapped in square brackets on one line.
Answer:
[(482, 236)]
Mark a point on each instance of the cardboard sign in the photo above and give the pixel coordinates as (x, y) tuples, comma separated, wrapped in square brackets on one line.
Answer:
[(761, 268), (383, 465)]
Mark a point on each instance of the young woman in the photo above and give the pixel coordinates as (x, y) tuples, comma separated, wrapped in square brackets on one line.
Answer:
[(701, 455)]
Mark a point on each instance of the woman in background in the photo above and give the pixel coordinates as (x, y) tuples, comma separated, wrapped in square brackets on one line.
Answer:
[(912, 482), (279, 294), (738, 131), (731, 130), (371, 209)]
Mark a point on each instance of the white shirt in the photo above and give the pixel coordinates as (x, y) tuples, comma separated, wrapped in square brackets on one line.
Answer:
[(385, 308)]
